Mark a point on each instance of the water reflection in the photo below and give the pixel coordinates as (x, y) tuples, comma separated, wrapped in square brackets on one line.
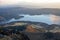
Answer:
[(55, 19), (49, 19)]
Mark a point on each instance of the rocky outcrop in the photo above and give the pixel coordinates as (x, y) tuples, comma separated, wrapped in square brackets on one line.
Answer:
[(31, 29)]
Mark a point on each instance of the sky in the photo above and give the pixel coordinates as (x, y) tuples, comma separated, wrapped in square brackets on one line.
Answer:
[(32, 3)]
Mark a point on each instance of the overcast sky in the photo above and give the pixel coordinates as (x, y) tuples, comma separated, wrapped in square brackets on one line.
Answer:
[(32, 3)]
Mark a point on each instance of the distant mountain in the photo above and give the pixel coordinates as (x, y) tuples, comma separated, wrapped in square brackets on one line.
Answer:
[(11, 12)]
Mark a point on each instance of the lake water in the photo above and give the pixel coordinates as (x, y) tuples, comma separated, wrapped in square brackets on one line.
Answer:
[(49, 19)]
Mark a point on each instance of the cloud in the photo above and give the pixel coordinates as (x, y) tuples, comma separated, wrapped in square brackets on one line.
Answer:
[(6, 2), (32, 3)]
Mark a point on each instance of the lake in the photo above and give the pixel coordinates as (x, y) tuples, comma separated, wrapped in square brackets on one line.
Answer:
[(49, 19)]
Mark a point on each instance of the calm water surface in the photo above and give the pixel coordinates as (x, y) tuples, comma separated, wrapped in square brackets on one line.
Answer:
[(49, 19)]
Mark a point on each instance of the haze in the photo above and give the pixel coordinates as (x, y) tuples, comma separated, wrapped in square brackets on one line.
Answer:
[(32, 3)]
